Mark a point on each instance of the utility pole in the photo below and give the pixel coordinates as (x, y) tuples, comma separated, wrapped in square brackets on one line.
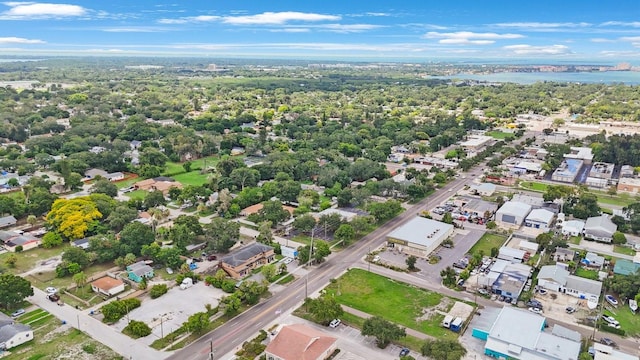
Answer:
[(78, 318), (311, 248), (211, 352), (369, 262), (161, 327)]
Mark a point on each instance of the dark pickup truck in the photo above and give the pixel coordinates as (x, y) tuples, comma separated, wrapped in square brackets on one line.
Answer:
[(53, 297)]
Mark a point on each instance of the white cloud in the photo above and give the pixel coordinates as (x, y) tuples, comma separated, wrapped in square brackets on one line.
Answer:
[(602, 40), (30, 10), (134, 29), (612, 53), (524, 49), (377, 14), (191, 19), (621, 23), (17, 40), (277, 18), (292, 30), (542, 25), (348, 28), (468, 37)]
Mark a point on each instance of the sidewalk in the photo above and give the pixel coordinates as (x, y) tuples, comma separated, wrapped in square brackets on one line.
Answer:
[(122, 344), (364, 315)]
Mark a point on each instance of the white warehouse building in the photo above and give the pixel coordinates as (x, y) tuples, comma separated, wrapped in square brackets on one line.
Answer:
[(420, 236), (512, 214)]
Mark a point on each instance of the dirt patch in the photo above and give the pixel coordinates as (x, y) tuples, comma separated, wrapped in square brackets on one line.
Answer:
[(441, 309)]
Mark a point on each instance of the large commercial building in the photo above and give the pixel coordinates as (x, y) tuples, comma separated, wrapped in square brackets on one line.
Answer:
[(567, 171), (530, 341), (420, 236), (539, 219)]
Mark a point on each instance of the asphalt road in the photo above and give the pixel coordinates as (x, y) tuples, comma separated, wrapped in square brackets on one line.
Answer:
[(232, 334)]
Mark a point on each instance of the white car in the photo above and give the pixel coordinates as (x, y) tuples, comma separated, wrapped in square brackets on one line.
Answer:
[(610, 320), (535, 310), (335, 323), (287, 260), (51, 290)]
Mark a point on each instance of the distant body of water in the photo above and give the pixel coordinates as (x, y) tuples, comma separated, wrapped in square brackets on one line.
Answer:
[(605, 77)]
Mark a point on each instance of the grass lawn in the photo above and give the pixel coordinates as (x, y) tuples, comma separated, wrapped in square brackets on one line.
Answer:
[(487, 242), (575, 240), (587, 274), (499, 134), (173, 168), (27, 260), (629, 322), (137, 194), (51, 344), (534, 186), (126, 183), (624, 250), (411, 342), (395, 301), (191, 178)]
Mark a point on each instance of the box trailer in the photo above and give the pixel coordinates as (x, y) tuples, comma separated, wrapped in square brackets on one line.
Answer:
[(447, 321), (456, 325)]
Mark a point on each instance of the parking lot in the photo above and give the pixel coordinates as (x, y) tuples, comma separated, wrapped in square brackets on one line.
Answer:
[(168, 312), (463, 240)]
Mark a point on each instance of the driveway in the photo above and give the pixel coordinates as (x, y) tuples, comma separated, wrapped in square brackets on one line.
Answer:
[(168, 312)]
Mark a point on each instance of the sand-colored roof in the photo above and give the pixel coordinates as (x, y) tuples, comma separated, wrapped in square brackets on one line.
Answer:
[(106, 283), (300, 342)]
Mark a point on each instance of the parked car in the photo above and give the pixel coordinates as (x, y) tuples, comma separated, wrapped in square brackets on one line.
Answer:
[(211, 257), (535, 310), (288, 260), (197, 259), (611, 300), (404, 352), (534, 303), (335, 323), (608, 342), (542, 291), (53, 297), (17, 313), (570, 309), (483, 292), (51, 290)]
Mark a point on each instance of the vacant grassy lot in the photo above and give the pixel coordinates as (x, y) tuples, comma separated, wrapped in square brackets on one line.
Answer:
[(137, 194), (587, 274), (624, 250), (534, 186), (174, 168), (409, 341), (498, 134), (52, 342), (487, 242), (27, 260), (629, 322), (397, 302), (191, 178)]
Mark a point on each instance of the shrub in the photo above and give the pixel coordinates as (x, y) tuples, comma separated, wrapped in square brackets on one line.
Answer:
[(137, 329), (89, 348), (158, 290), (19, 248), (115, 310), (228, 286)]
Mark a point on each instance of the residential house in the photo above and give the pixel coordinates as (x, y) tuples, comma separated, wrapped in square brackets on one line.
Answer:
[(604, 352), (139, 270), (81, 243), (512, 255), (254, 209), (530, 341), (573, 227), (593, 260), (135, 144), (239, 263), (93, 173), (6, 221), (629, 185), (563, 255), (107, 286), (600, 228), (161, 183), (557, 278), (27, 242), (300, 342), (12, 333), (484, 189)]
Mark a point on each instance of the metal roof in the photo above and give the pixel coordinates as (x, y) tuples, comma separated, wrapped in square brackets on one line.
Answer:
[(422, 231)]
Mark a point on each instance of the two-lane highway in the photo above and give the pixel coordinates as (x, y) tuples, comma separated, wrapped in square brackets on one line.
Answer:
[(232, 334)]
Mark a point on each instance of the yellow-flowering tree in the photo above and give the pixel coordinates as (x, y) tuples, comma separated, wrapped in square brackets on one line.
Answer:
[(72, 218)]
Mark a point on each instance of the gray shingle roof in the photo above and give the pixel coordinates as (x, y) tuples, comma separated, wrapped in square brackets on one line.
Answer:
[(600, 225), (239, 257), (8, 331)]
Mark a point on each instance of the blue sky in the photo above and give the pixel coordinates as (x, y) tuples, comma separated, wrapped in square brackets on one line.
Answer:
[(415, 30)]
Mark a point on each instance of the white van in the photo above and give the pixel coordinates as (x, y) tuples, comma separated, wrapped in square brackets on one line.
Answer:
[(447, 321)]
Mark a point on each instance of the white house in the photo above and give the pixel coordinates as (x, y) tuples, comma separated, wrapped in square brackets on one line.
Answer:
[(600, 228), (511, 254), (557, 278), (108, 286), (512, 214), (572, 227), (12, 333), (539, 219)]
